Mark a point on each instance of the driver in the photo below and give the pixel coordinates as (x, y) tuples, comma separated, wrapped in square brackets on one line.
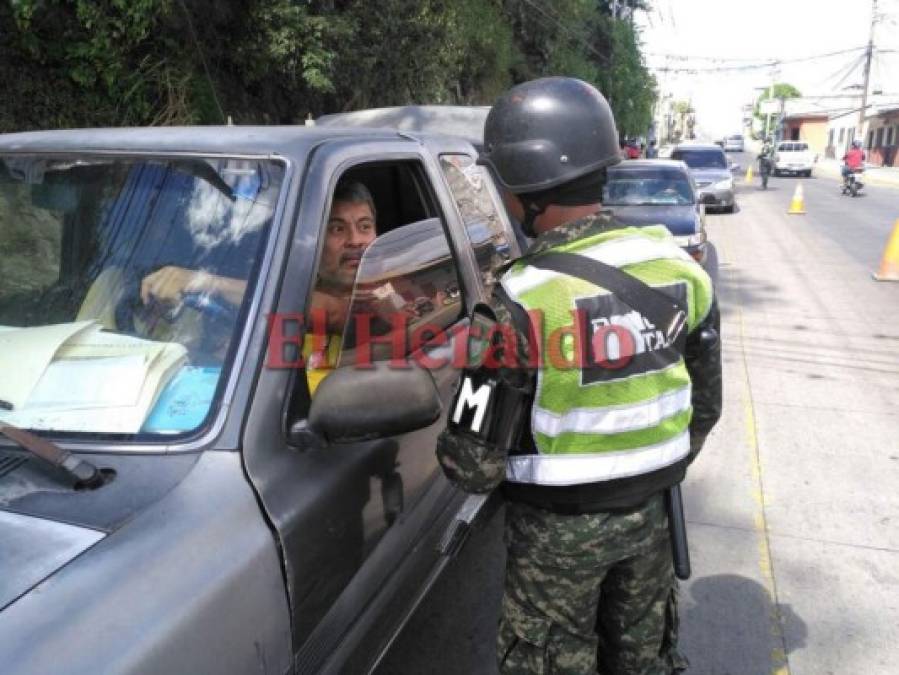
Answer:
[(351, 228)]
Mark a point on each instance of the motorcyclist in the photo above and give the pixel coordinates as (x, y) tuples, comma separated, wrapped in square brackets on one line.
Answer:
[(853, 160)]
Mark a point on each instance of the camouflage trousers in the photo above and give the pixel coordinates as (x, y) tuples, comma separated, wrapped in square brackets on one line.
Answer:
[(589, 593)]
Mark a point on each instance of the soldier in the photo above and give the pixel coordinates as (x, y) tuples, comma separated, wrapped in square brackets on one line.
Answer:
[(589, 581)]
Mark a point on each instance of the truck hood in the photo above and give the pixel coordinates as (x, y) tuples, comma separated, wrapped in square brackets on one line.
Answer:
[(45, 524), (680, 220), (34, 548), (706, 176)]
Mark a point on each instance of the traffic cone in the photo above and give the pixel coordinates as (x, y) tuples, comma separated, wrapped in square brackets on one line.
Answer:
[(889, 263), (748, 178), (797, 205)]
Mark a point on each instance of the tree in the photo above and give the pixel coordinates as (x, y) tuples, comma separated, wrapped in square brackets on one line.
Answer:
[(82, 63), (781, 91)]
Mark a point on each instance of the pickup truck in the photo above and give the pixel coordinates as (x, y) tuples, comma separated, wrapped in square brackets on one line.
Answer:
[(174, 497), (794, 157)]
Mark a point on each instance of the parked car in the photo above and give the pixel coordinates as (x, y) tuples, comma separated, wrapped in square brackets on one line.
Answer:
[(794, 157), (733, 143), (237, 521), (711, 173), (661, 192)]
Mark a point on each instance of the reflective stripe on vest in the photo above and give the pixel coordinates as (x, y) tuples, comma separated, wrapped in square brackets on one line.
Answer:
[(591, 468), (597, 424), (613, 419)]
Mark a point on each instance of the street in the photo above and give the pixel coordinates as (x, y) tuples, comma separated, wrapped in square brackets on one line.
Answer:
[(792, 507)]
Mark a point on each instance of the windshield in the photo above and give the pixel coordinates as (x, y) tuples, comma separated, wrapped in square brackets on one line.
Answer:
[(121, 286), (701, 159), (792, 147), (647, 187)]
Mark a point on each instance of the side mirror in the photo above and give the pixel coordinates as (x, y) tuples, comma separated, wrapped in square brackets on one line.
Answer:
[(354, 404), (734, 166)]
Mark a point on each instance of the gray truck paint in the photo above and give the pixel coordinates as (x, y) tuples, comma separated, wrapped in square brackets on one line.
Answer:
[(210, 542)]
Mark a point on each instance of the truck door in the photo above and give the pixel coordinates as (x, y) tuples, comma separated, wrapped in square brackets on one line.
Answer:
[(350, 517)]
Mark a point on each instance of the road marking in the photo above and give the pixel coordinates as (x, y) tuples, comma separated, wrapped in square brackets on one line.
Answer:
[(780, 664)]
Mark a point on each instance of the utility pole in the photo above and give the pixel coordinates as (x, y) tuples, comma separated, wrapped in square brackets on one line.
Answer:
[(775, 71), (868, 55)]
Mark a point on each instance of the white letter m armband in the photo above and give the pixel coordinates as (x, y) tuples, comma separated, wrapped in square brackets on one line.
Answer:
[(472, 405)]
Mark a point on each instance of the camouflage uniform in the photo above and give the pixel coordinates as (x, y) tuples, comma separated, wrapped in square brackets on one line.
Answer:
[(592, 592), (589, 590)]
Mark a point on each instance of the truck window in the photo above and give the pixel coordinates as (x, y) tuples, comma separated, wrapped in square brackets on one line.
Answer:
[(469, 185), (385, 294), (122, 285)]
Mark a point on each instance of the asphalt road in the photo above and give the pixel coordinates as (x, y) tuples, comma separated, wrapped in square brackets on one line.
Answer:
[(793, 506)]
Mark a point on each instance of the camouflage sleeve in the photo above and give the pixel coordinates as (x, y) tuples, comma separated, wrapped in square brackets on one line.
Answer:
[(473, 465), (703, 361)]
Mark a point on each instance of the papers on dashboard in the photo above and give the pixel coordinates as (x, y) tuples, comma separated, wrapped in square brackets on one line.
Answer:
[(25, 354), (92, 380)]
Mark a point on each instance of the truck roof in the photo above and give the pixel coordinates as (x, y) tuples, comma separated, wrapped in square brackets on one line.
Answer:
[(463, 121), (287, 141)]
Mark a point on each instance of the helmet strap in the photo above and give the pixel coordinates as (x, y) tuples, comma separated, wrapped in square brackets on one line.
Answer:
[(532, 210)]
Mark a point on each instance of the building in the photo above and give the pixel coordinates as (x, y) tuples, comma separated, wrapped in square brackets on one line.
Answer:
[(879, 136), (882, 138), (810, 127)]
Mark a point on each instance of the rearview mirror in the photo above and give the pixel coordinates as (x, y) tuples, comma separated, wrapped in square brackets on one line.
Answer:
[(55, 195), (354, 404)]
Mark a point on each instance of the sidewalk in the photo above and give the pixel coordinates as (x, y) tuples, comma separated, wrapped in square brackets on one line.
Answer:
[(875, 175)]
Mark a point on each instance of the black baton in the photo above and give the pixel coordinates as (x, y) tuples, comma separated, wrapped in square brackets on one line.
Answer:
[(677, 528)]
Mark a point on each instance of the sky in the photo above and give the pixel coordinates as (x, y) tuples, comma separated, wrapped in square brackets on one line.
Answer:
[(755, 31)]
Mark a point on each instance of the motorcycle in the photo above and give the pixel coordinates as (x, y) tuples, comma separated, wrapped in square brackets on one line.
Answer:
[(851, 183)]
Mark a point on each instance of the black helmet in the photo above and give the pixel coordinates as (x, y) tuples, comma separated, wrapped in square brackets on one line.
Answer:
[(548, 132)]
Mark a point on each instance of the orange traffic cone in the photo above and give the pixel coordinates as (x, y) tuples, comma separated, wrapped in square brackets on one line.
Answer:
[(748, 178), (889, 263), (797, 205)]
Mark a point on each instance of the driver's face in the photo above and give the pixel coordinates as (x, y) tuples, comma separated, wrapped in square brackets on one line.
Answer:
[(351, 228)]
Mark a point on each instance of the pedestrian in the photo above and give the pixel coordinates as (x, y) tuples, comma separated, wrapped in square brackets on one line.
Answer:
[(589, 583), (652, 152)]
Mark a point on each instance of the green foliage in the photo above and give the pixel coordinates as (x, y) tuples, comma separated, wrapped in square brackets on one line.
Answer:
[(115, 62), (781, 90)]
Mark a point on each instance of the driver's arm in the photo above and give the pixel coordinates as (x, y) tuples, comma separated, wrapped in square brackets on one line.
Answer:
[(169, 283)]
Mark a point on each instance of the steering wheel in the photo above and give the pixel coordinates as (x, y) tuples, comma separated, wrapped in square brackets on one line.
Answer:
[(215, 312)]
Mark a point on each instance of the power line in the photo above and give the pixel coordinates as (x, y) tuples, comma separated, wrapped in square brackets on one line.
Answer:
[(761, 62), (846, 72)]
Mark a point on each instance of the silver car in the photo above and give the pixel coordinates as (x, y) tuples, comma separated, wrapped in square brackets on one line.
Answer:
[(733, 143), (711, 173)]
